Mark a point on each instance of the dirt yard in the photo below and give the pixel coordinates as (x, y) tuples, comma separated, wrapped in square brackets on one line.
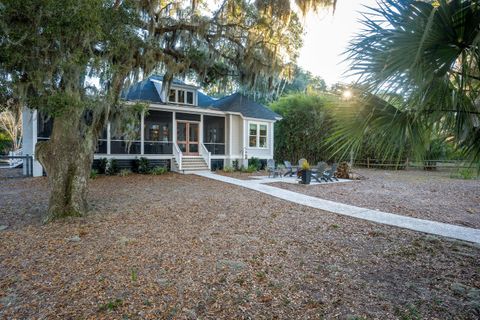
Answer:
[(183, 247), (419, 194)]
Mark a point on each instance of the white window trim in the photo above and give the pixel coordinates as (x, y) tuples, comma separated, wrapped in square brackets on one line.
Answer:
[(258, 135), (184, 96)]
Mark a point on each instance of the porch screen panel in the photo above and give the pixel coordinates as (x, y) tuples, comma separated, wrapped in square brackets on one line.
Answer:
[(102, 143), (44, 127), (214, 134), (126, 141), (158, 132)]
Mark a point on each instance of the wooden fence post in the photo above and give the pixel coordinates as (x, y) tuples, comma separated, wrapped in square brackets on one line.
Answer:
[(407, 164), (368, 163)]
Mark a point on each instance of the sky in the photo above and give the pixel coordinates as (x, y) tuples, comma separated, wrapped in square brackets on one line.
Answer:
[(327, 36)]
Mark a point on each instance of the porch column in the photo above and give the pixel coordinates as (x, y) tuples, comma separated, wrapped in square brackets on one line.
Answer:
[(272, 125), (109, 138), (142, 132), (244, 161), (230, 133), (174, 128), (200, 134), (29, 139)]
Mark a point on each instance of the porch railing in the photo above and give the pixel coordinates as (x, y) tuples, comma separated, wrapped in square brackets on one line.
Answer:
[(177, 153), (206, 155), (215, 148), (15, 159)]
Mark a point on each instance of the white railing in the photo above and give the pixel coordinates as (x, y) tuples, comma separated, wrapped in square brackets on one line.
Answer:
[(13, 163), (177, 153), (206, 155)]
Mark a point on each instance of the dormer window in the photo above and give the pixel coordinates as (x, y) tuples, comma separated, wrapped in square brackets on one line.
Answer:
[(181, 96)]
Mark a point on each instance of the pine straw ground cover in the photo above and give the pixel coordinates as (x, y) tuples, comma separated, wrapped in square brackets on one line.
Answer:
[(184, 247), (420, 194)]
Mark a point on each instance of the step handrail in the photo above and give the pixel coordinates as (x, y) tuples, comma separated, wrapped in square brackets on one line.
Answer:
[(177, 153), (206, 155)]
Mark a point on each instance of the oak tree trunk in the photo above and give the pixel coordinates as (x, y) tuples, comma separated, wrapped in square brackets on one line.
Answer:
[(67, 158)]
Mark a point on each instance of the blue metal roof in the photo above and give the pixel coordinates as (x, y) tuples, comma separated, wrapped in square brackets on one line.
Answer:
[(248, 108), (204, 101), (146, 91)]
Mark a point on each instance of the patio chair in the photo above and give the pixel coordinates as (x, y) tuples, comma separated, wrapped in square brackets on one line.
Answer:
[(330, 173), (318, 172), (272, 170), (289, 168)]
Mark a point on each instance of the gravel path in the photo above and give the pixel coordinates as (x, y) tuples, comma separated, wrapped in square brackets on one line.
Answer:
[(425, 195), (184, 247)]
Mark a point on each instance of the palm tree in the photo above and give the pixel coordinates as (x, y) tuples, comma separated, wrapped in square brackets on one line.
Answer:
[(421, 60)]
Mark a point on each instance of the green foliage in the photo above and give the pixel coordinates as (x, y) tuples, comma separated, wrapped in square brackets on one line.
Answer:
[(409, 312), (371, 127), (112, 167), (133, 274), (124, 172), (93, 174), (250, 169), (142, 165), (304, 82), (5, 143), (255, 163), (235, 164), (465, 174), (307, 122), (426, 52), (228, 169), (111, 305), (102, 166), (158, 170)]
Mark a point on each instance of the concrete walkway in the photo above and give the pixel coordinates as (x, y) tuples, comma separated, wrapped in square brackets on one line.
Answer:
[(427, 226)]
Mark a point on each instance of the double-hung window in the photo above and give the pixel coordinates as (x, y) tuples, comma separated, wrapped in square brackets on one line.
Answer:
[(258, 135), (180, 96)]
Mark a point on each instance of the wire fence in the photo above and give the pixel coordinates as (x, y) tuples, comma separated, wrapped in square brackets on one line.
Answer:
[(407, 164)]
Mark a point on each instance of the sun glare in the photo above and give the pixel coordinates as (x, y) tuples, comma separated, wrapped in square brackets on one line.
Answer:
[(347, 94)]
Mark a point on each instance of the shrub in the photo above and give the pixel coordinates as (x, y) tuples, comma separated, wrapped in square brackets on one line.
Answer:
[(255, 162), (143, 165), (305, 165), (112, 168), (250, 169), (93, 174), (228, 169), (464, 173), (124, 172), (102, 167), (235, 164), (158, 170)]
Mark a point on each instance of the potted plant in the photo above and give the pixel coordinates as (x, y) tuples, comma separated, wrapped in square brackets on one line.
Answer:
[(306, 173)]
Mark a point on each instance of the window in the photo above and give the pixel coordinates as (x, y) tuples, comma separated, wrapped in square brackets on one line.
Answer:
[(262, 136), (252, 135), (257, 135), (180, 96), (189, 97), (172, 96)]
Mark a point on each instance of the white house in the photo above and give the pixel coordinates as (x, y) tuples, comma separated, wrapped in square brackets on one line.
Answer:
[(185, 131)]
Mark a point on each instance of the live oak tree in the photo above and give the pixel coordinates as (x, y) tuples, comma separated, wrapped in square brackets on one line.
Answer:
[(54, 51)]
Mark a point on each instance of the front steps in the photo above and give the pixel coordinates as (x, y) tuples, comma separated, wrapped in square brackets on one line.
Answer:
[(190, 164)]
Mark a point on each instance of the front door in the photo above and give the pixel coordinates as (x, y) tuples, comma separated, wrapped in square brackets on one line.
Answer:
[(187, 137)]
